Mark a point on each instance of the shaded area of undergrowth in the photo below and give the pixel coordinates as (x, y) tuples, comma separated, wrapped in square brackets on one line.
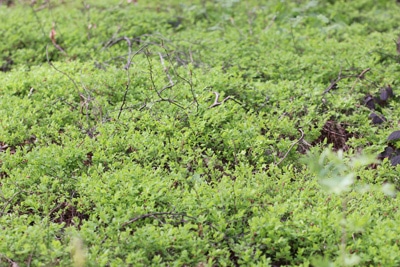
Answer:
[(175, 133)]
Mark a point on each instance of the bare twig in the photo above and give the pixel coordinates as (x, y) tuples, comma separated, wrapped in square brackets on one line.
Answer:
[(216, 103), (191, 56), (251, 16), (128, 41), (112, 40), (8, 202), (155, 214), (397, 45), (130, 57), (166, 69), (31, 91), (53, 39), (189, 82), (54, 67), (333, 84), (162, 89), (291, 146), (13, 263), (270, 24), (263, 104), (56, 208), (125, 94), (38, 21), (128, 64), (361, 76)]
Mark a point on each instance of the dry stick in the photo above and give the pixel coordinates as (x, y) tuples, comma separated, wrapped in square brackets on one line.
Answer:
[(184, 79), (112, 42), (263, 104), (58, 47), (290, 148), (128, 64), (165, 69), (51, 64), (153, 214), (8, 202), (171, 83), (216, 103), (154, 85), (38, 20), (41, 7), (397, 45), (125, 94), (53, 40), (29, 259), (360, 77), (130, 58), (56, 208), (251, 16), (270, 24), (13, 263), (191, 56), (334, 83), (191, 89)]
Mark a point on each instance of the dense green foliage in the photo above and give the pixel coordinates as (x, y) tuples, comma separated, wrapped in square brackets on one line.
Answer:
[(165, 133)]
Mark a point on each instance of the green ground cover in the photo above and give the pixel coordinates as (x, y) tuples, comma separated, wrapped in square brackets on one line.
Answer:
[(199, 133)]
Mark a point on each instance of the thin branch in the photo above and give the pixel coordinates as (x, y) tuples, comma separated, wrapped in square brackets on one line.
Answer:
[(165, 69), (126, 67), (112, 40), (128, 64), (216, 103), (56, 208), (154, 85), (263, 104), (361, 76), (333, 84), (8, 202), (53, 39), (270, 24), (154, 214), (189, 82), (51, 64), (191, 56), (38, 20), (292, 145), (130, 56), (13, 263), (125, 94)]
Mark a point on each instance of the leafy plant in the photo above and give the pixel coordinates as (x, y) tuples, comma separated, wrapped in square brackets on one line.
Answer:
[(168, 133)]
